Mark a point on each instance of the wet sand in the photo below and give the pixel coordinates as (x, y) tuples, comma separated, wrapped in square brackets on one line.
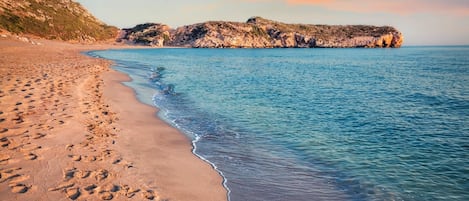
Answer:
[(69, 130)]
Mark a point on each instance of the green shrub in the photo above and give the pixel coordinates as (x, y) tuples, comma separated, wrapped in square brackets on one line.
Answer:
[(67, 25)]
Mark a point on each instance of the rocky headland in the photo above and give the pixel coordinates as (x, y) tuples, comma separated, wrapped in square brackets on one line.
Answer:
[(67, 20), (258, 32), (63, 20)]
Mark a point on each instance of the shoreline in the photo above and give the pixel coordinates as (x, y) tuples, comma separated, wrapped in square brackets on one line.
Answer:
[(180, 144), (70, 129), (126, 78)]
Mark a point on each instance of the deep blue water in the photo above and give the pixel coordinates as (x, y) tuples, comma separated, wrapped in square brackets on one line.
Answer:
[(317, 124)]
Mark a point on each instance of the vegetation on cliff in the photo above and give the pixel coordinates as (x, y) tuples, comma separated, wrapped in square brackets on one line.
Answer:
[(258, 32), (53, 19)]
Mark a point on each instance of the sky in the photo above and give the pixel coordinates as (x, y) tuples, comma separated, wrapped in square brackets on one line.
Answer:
[(423, 22)]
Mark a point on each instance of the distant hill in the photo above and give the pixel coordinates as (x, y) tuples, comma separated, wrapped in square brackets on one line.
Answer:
[(53, 19), (258, 32)]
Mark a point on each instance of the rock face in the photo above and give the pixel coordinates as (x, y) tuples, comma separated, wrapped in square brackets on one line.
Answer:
[(151, 34), (53, 19), (262, 33)]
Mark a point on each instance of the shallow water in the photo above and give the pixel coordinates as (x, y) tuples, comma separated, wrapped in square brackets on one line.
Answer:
[(317, 124)]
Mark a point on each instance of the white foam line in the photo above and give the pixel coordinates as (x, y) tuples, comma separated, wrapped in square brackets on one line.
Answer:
[(196, 137), (194, 148), (225, 180)]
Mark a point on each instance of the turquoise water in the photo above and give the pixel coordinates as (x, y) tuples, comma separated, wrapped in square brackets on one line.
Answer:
[(317, 124)]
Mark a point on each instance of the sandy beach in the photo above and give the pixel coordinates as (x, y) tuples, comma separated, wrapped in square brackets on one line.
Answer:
[(69, 130)]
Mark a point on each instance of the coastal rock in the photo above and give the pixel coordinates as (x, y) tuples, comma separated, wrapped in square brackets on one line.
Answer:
[(151, 34), (258, 32), (217, 35)]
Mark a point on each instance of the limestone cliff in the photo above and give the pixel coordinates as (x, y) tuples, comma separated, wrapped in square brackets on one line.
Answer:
[(262, 33), (151, 34), (53, 19)]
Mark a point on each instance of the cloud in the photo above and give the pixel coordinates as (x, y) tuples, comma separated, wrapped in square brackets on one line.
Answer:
[(402, 7)]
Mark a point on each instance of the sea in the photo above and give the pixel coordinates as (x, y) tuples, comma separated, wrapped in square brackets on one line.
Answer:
[(316, 124)]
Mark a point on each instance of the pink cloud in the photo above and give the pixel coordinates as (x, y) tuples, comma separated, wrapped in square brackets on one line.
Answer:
[(402, 7)]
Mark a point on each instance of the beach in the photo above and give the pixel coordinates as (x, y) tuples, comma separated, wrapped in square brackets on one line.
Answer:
[(70, 130)]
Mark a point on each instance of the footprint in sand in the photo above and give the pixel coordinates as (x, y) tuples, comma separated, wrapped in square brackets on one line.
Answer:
[(106, 192), (129, 191), (19, 188), (100, 174), (18, 119), (62, 187), (82, 174), (69, 173), (75, 157), (90, 158), (5, 176), (14, 145), (30, 147), (117, 160), (107, 153), (4, 142), (10, 174), (90, 188), (149, 194), (30, 156), (4, 159), (38, 135), (73, 193), (105, 195), (69, 147)]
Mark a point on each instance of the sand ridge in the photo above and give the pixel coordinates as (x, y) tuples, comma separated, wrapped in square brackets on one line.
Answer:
[(62, 139)]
